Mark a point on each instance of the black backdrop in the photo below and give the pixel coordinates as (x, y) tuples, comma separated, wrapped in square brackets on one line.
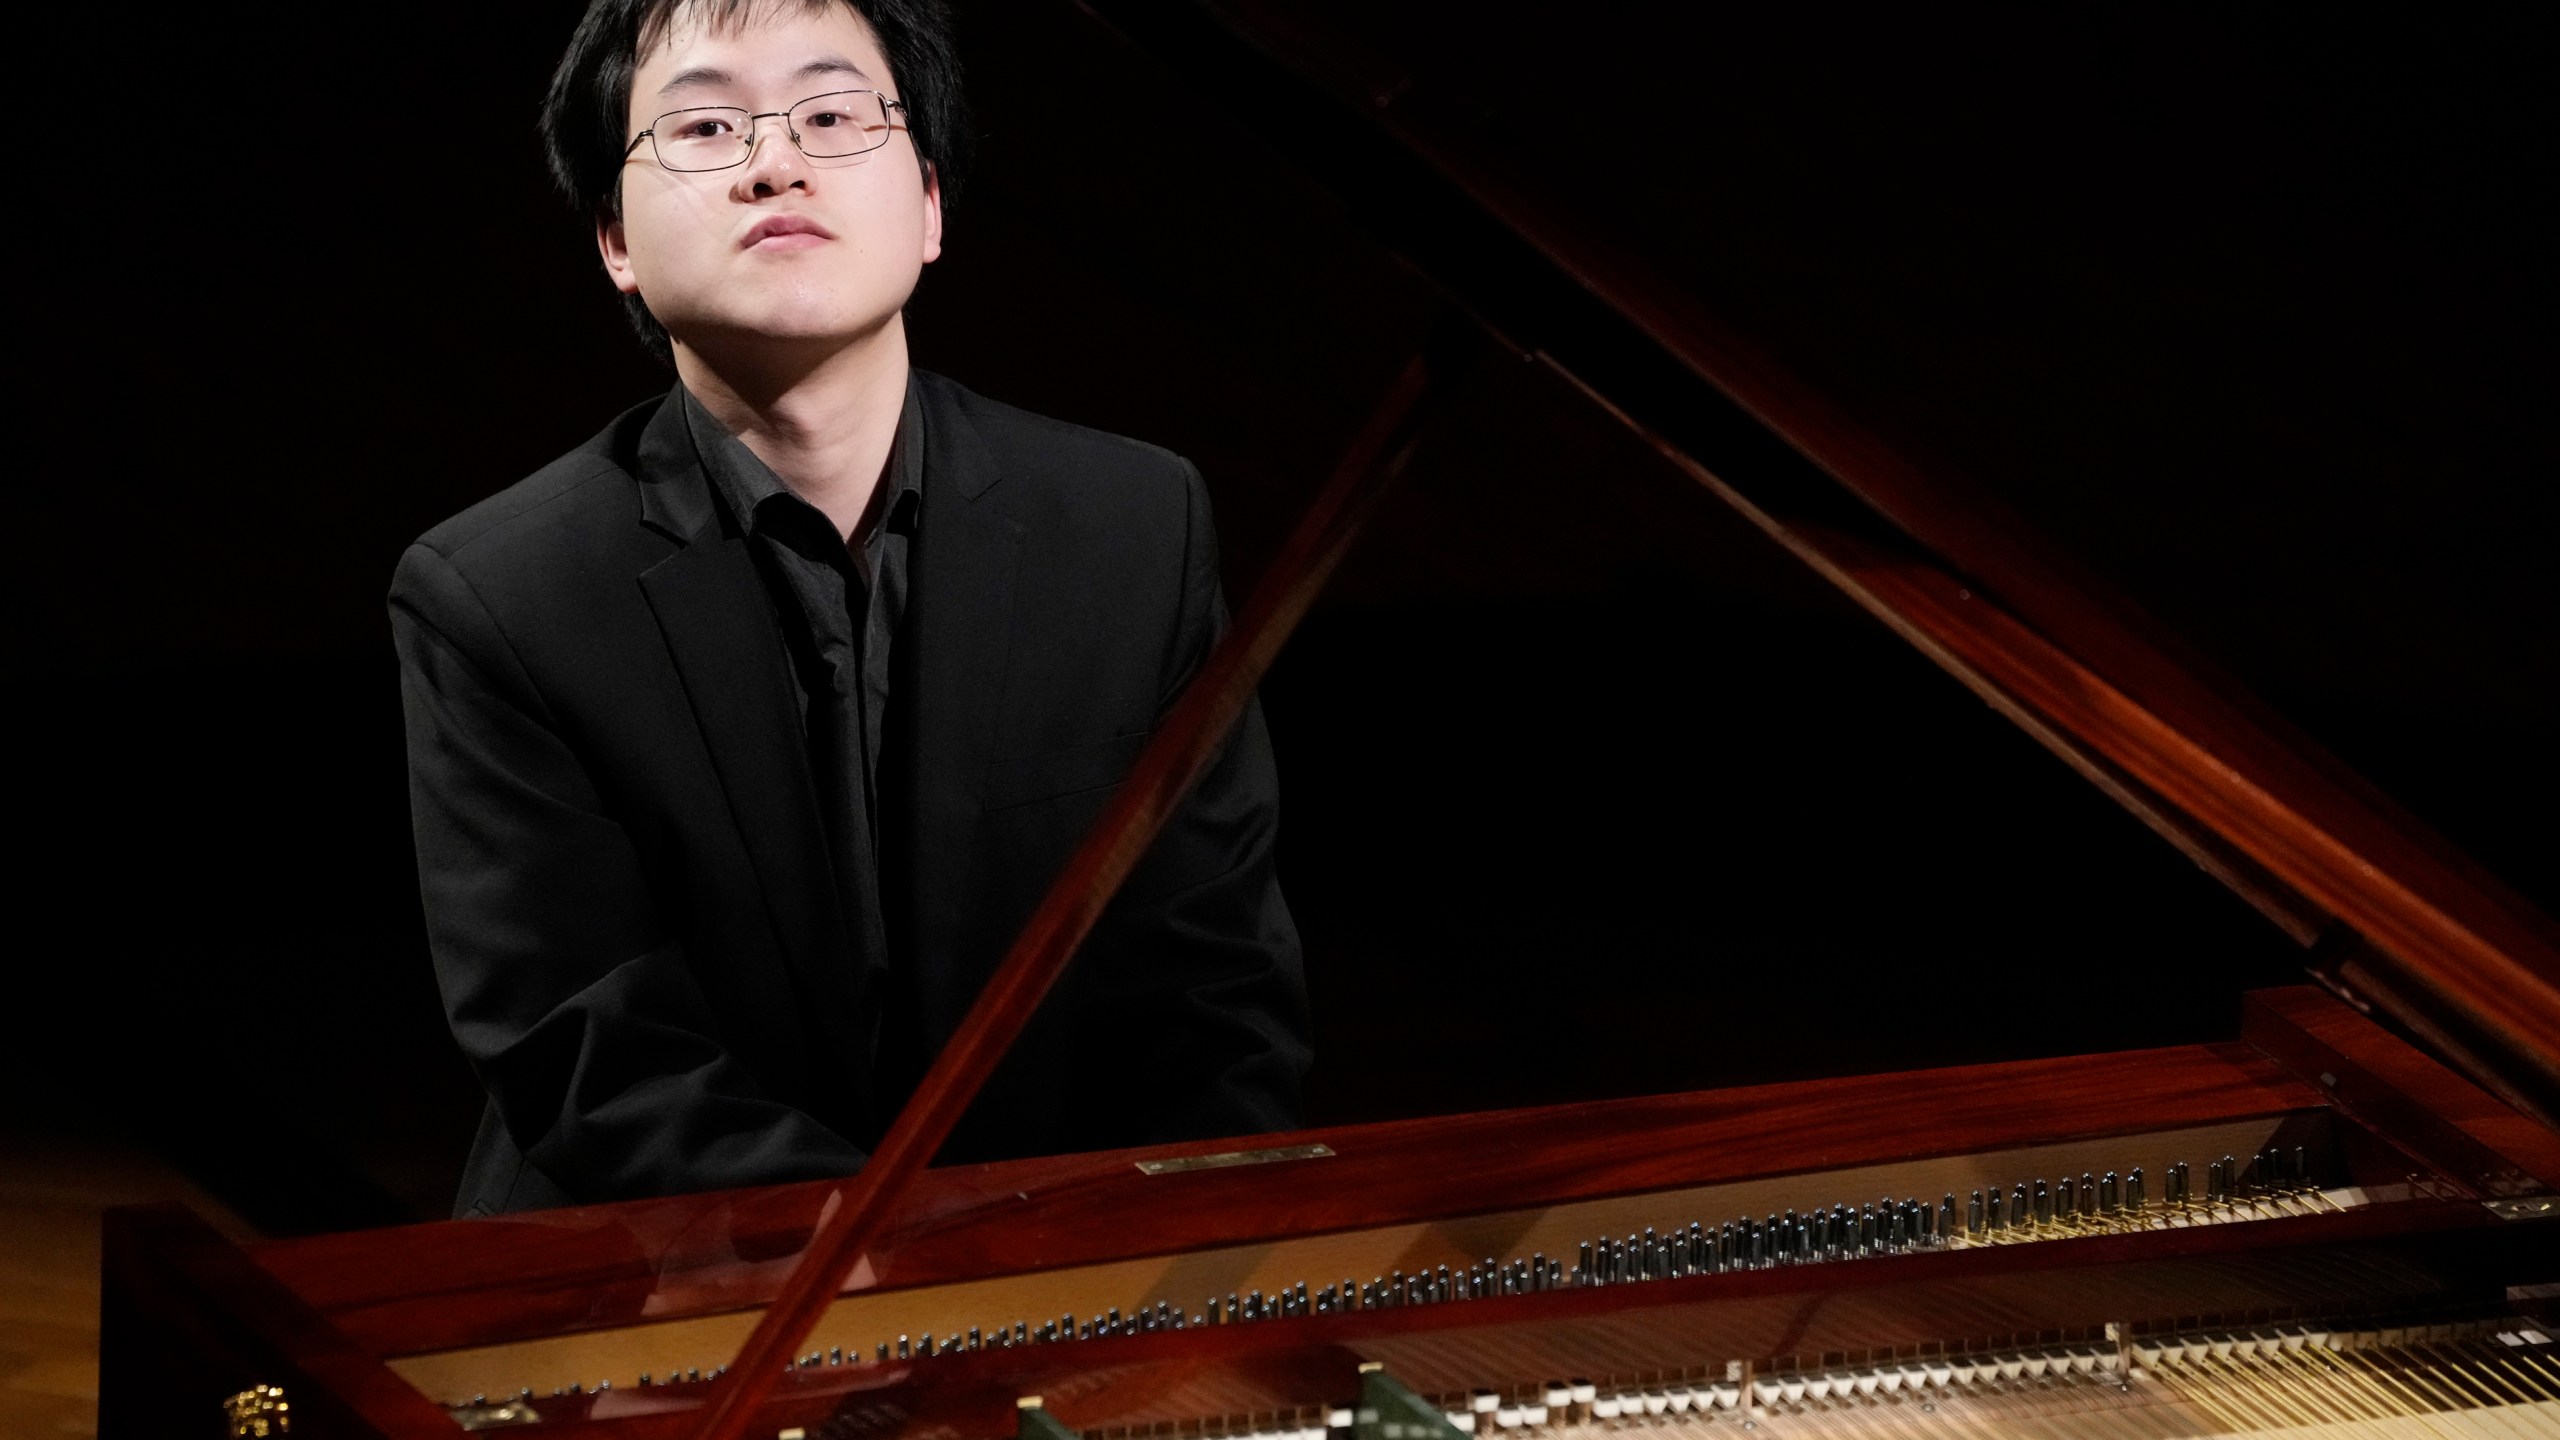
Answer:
[(1588, 791)]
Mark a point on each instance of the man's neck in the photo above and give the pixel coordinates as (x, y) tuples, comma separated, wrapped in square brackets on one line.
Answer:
[(824, 425)]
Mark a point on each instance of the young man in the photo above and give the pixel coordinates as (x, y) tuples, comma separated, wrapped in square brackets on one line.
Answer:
[(744, 737)]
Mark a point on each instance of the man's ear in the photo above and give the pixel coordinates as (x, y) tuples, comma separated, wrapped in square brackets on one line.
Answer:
[(932, 215), (617, 256)]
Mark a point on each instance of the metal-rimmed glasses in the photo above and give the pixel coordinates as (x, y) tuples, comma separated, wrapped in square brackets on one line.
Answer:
[(833, 126)]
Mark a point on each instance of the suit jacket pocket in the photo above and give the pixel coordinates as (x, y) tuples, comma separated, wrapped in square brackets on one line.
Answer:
[(1054, 773)]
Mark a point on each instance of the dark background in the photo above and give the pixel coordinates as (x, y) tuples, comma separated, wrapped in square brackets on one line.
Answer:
[(1589, 790)]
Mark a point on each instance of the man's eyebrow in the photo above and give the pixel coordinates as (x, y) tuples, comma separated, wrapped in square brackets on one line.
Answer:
[(698, 75), (831, 65), (713, 75)]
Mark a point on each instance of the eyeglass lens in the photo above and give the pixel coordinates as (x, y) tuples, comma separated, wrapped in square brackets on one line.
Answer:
[(715, 137)]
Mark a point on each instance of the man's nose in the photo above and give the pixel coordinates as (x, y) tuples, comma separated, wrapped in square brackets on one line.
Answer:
[(774, 162)]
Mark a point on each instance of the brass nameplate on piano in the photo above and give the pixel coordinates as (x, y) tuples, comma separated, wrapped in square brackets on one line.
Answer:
[(1225, 1158)]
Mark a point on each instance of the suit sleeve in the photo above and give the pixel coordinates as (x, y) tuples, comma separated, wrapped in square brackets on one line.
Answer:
[(561, 978), (1215, 973)]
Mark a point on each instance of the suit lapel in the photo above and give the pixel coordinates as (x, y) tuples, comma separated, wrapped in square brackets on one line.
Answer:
[(949, 680), (719, 629), (961, 615)]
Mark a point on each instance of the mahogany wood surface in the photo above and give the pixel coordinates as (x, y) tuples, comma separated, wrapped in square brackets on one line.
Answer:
[(2435, 1114), (463, 1282), (2238, 770)]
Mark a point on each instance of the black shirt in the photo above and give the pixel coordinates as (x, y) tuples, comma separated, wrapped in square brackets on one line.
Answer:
[(839, 606)]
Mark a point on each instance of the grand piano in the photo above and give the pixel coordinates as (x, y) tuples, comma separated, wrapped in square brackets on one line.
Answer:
[(2337, 1217)]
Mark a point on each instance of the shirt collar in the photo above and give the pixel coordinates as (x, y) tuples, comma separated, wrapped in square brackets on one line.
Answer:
[(747, 485), (905, 476)]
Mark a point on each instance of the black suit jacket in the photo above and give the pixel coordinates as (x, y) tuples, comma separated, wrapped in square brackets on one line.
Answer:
[(627, 892)]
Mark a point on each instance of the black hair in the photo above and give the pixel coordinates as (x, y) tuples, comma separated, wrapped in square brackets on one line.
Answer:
[(586, 115)]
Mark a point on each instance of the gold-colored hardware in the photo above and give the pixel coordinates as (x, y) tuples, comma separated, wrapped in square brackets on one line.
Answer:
[(258, 1412), (2528, 1207), (491, 1417), (1225, 1158)]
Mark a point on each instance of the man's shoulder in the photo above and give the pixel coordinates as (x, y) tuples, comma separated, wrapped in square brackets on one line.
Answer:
[(584, 496), (1061, 457)]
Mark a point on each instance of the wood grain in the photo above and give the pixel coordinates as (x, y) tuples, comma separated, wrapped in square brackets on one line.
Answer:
[(2458, 1128), (458, 1283)]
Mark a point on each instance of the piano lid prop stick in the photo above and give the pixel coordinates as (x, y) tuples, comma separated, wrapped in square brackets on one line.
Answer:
[(1173, 758)]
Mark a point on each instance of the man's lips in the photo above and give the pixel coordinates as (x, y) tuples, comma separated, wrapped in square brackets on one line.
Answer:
[(785, 232)]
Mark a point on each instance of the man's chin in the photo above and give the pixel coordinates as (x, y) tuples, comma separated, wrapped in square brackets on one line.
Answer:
[(757, 339)]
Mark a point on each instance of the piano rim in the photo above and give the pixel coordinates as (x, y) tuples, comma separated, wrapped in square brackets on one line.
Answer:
[(458, 1284)]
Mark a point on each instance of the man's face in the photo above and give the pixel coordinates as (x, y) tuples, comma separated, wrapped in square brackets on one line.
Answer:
[(782, 248)]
